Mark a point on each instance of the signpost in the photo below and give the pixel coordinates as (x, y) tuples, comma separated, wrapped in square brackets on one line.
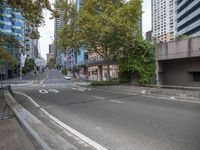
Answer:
[(2, 72)]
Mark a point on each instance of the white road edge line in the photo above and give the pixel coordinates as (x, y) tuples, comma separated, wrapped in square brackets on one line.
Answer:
[(73, 131), (116, 101), (34, 103)]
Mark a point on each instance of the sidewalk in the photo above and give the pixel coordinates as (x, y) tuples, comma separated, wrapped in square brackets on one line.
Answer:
[(12, 135), (26, 79)]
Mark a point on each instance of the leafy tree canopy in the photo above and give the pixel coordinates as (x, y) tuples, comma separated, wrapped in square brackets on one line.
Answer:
[(31, 10), (8, 41), (101, 26), (139, 59)]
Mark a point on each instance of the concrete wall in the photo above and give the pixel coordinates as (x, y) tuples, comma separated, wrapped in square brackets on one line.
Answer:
[(179, 72), (169, 92), (179, 49)]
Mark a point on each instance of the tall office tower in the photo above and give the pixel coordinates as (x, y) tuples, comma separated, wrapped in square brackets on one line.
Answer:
[(163, 20), (11, 23), (31, 45), (51, 48), (56, 30), (188, 17), (57, 26)]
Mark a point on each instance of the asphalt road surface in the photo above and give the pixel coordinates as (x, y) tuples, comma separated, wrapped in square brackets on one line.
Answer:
[(119, 121)]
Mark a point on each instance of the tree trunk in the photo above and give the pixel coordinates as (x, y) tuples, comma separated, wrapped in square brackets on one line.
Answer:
[(108, 71)]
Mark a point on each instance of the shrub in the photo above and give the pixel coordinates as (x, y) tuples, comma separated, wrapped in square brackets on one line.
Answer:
[(64, 71), (104, 83)]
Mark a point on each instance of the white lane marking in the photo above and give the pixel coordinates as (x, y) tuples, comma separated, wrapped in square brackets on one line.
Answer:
[(157, 97), (179, 100), (73, 131), (97, 128), (43, 91), (53, 90), (43, 81), (99, 97), (82, 87), (34, 103), (78, 89), (134, 94), (112, 100)]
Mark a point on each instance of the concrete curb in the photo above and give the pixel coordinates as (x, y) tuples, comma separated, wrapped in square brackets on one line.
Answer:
[(44, 136), (179, 94)]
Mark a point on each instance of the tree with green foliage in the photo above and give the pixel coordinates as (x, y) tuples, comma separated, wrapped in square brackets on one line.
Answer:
[(28, 66), (68, 36), (139, 59), (8, 45), (32, 11), (64, 71), (102, 27)]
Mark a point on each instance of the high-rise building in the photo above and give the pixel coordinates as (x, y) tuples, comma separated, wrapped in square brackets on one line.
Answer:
[(51, 48), (11, 22), (163, 20), (31, 45), (57, 26), (188, 17), (149, 35)]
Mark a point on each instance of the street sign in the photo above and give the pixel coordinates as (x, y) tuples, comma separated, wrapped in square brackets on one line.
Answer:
[(2, 70)]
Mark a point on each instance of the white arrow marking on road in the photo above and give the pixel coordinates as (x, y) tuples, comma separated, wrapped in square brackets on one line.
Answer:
[(43, 91), (53, 90)]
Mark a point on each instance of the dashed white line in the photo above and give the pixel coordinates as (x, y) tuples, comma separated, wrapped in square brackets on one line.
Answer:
[(73, 131), (116, 101), (99, 97), (78, 89), (34, 103), (157, 97), (43, 81)]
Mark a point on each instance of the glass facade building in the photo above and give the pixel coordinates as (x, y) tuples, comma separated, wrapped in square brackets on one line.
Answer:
[(188, 17), (11, 22), (81, 56)]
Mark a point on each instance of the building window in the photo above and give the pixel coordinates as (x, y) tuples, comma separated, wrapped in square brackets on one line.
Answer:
[(196, 76)]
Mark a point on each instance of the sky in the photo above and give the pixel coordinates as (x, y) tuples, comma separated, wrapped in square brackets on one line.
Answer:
[(47, 31)]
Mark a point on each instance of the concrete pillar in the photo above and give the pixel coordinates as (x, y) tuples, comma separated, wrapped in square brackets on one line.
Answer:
[(100, 72)]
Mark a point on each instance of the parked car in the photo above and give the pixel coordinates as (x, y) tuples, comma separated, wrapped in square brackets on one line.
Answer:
[(68, 77)]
